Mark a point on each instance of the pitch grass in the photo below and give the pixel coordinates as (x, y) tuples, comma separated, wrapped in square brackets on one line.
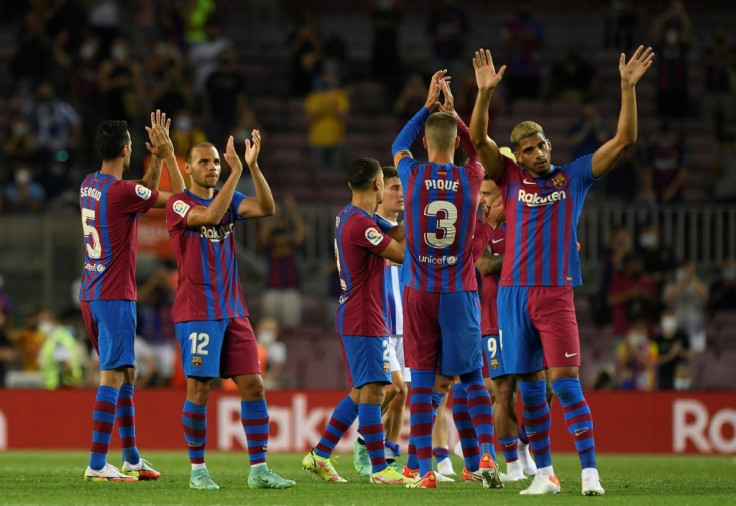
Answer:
[(56, 478)]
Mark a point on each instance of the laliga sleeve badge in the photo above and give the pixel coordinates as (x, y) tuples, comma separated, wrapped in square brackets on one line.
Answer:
[(142, 192), (181, 208), (374, 236)]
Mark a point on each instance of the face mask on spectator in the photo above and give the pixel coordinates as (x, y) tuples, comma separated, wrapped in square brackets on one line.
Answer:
[(682, 383), (637, 338), (46, 327), (682, 274), (672, 37), (669, 325), (183, 123), (266, 337), (87, 51), (648, 240)]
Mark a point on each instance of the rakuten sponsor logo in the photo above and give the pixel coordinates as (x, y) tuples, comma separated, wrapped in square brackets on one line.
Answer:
[(535, 200), (691, 422)]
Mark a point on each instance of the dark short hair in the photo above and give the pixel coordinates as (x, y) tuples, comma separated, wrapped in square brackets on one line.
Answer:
[(111, 136), (361, 172), (389, 172), (202, 144)]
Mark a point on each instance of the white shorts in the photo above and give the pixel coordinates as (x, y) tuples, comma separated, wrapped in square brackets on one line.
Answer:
[(396, 357)]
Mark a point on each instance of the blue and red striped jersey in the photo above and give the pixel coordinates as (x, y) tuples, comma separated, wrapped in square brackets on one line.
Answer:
[(110, 208), (542, 217), (489, 286), (362, 303), (209, 284)]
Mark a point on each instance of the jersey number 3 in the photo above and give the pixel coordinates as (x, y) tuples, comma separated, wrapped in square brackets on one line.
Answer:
[(446, 214)]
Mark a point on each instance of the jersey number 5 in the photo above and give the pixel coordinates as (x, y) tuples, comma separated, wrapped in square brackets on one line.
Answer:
[(94, 248), (445, 224)]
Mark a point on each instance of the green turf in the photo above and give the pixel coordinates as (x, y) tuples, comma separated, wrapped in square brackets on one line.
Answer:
[(56, 478)]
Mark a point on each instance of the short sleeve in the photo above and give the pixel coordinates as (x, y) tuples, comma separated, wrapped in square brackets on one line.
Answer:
[(580, 172), (384, 224), (365, 234), (131, 197), (176, 212), (238, 198)]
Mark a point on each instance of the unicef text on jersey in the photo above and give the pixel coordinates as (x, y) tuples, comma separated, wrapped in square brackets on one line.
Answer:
[(443, 260)]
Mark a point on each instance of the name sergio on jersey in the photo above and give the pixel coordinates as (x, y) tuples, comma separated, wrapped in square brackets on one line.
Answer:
[(216, 233), (90, 192), (535, 200)]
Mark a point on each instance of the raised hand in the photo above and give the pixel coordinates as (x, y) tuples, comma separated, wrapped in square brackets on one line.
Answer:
[(252, 149), (485, 73), (433, 95), (231, 157), (159, 118), (160, 144), (632, 70), (449, 103)]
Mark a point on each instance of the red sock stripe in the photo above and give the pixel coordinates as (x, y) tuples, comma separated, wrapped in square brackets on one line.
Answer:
[(466, 433), (128, 442), (421, 429), (479, 401), (421, 407), (125, 402), (329, 436), (125, 421), (542, 450), (532, 409), (459, 401), (424, 453), (98, 426), (105, 407), (374, 446), (194, 433), (533, 422), (474, 388), (581, 418), (471, 451), (198, 460), (575, 406), (338, 424), (412, 450), (257, 437), (371, 429), (99, 448), (254, 421), (421, 390), (200, 417), (323, 448)]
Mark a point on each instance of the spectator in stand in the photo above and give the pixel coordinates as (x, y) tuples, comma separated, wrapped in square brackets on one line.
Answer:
[(7, 350), (224, 97), (724, 168), (120, 81), (197, 15), (687, 296), (614, 258), (448, 27), (633, 296), (618, 184), (386, 17), (60, 357), (24, 195), (327, 108), (622, 25), (673, 352), (203, 56), (588, 133), (671, 32), (723, 289), (267, 334), (28, 340), (20, 146), (34, 54), (170, 90), (524, 40), (719, 70), (55, 123), (85, 95), (573, 78), (666, 166), (281, 238), (659, 260), (636, 358), (145, 362), (184, 133), (305, 43)]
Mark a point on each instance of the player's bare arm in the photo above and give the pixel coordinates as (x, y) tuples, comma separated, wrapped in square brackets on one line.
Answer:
[(605, 158), (213, 214), (262, 204), (433, 97), (487, 79), (398, 233), (152, 177), (488, 263), (394, 251)]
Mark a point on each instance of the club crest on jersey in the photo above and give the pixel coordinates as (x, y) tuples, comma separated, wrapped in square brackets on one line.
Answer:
[(494, 363), (374, 236), (181, 208), (142, 192), (559, 181), (386, 367), (196, 361)]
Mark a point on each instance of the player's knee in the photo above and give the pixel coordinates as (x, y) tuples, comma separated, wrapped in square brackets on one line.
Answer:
[(130, 374), (442, 384), (198, 392), (390, 391), (251, 387)]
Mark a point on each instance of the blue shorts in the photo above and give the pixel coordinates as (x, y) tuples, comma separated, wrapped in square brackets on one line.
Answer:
[(212, 348), (442, 331), (366, 359), (111, 327), (494, 356), (538, 328)]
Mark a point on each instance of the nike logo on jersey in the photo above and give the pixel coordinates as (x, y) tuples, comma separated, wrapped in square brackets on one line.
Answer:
[(526, 181), (568, 355), (496, 241)]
